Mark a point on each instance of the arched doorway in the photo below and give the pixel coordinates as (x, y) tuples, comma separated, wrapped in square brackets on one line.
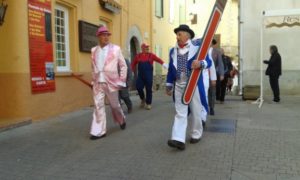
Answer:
[(133, 42), (134, 46)]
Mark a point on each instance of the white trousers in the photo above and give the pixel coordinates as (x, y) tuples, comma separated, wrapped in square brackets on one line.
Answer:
[(206, 80), (98, 127), (181, 117)]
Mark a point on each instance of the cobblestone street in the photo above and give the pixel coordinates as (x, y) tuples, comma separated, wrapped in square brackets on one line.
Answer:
[(241, 142)]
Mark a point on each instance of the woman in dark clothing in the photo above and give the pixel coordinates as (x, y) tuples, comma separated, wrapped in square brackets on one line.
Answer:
[(274, 71)]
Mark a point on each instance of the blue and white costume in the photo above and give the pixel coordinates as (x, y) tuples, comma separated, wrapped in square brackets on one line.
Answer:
[(179, 70)]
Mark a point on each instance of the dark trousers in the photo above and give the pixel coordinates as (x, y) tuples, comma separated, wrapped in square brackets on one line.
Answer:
[(147, 82), (124, 95), (211, 96), (218, 88), (223, 85), (275, 87)]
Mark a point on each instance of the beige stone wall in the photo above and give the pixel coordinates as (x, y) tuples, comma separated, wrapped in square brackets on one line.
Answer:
[(287, 39), (228, 26), (164, 36)]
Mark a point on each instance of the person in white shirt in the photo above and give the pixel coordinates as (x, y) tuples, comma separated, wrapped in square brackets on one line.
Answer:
[(109, 71), (183, 58)]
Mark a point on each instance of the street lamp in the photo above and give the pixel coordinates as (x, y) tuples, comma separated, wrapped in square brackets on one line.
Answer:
[(3, 8)]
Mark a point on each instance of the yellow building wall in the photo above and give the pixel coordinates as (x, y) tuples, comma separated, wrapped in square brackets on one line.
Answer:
[(17, 101), (163, 30), (140, 14), (135, 13), (14, 64)]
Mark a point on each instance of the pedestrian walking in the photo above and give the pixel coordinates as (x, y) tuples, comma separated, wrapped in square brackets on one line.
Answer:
[(145, 60), (274, 71), (182, 61), (214, 90), (232, 78), (109, 72), (124, 92), (227, 69)]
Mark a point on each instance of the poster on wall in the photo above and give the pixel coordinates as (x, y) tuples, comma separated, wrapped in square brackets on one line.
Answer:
[(40, 46), (87, 38)]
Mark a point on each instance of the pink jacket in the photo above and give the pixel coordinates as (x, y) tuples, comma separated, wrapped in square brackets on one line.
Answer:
[(115, 69)]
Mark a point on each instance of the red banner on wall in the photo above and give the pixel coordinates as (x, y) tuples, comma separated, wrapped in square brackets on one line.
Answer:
[(40, 46)]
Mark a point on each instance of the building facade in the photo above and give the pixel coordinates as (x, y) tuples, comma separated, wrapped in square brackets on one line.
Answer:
[(66, 28), (285, 38), (198, 13), (169, 14)]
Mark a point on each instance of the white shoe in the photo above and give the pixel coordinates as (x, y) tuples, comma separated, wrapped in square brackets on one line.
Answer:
[(148, 106)]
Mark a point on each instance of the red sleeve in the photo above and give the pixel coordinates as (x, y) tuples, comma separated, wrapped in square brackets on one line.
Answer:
[(157, 59), (134, 63)]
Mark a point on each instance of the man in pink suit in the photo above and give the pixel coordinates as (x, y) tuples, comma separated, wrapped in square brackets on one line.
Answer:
[(109, 72)]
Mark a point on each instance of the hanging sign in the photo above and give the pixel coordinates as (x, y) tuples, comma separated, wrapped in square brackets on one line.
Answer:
[(40, 46)]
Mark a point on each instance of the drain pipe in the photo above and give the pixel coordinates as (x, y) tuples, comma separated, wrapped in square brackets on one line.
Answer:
[(241, 45)]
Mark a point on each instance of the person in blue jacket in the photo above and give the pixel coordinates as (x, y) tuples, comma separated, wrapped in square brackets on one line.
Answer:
[(182, 60)]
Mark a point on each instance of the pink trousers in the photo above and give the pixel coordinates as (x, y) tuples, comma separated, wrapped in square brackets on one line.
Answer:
[(98, 127)]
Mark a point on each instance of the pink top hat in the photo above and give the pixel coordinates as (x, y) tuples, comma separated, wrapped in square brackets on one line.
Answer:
[(102, 30)]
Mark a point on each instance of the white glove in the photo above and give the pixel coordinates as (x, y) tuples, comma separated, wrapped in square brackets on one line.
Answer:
[(165, 65), (121, 84)]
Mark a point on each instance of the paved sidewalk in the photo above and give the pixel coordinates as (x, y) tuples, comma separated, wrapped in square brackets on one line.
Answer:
[(241, 142)]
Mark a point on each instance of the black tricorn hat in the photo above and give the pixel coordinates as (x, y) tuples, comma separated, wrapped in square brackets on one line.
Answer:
[(186, 28)]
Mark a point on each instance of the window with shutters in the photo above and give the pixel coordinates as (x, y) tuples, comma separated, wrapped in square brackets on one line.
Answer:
[(159, 8)]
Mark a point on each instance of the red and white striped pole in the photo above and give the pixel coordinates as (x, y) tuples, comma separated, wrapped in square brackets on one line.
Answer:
[(210, 30)]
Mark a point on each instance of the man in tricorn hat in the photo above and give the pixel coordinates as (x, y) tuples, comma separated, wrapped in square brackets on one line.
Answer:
[(109, 72), (182, 60)]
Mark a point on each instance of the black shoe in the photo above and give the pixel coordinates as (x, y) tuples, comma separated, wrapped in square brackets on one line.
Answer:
[(203, 124), (97, 137), (212, 112), (123, 126), (276, 100), (176, 144), (194, 141), (129, 110)]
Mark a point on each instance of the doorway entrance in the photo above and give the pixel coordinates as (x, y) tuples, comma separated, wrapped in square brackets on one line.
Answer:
[(134, 46)]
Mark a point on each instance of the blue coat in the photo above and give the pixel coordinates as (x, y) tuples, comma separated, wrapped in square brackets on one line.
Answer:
[(193, 52)]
